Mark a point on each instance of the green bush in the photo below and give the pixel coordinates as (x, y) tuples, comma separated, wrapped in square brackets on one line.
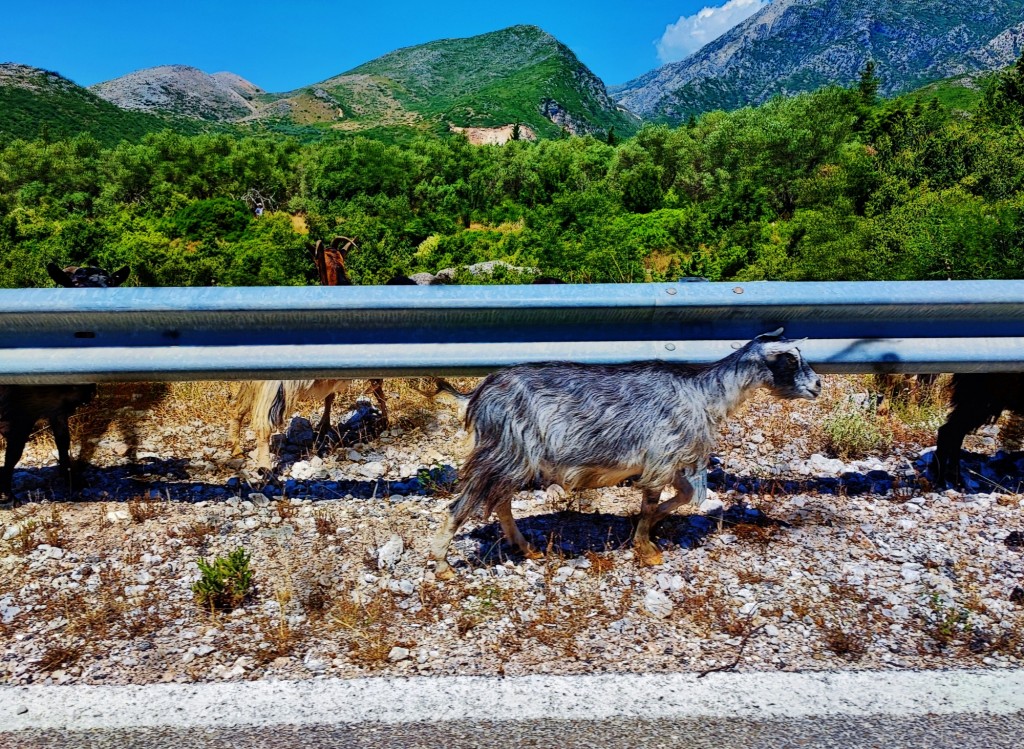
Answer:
[(225, 582), (851, 433), (207, 220)]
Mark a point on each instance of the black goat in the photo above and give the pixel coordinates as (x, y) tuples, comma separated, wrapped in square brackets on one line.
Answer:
[(23, 406), (977, 398)]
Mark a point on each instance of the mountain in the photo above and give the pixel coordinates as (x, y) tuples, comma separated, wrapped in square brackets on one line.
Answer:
[(182, 90), (790, 46), (519, 74), (40, 103)]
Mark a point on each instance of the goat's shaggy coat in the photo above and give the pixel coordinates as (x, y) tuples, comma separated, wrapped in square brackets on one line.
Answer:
[(977, 398), (266, 403), (586, 426)]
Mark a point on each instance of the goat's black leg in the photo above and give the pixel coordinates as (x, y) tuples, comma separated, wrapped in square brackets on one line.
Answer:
[(17, 437), (950, 440), (377, 388), (325, 421), (62, 438)]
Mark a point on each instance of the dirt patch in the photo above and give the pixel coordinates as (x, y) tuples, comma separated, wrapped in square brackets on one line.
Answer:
[(494, 136)]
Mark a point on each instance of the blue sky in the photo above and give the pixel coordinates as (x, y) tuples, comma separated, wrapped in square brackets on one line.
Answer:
[(283, 45)]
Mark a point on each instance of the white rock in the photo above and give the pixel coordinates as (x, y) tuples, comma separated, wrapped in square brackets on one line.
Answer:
[(818, 463), (390, 553), (657, 603), (314, 664), (710, 506), (259, 499), (8, 610), (398, 654), (670, 582)]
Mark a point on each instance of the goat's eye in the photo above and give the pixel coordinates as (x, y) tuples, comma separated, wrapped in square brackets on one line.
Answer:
[(785, 361)]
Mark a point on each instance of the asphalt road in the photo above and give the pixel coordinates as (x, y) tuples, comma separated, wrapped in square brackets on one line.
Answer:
[(962, 709)]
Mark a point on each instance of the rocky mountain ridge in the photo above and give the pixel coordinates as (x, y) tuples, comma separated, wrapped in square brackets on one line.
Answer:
[(790, 46), (182, 90)]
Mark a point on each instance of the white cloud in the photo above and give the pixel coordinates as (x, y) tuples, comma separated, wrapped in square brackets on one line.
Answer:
[(690, 33)]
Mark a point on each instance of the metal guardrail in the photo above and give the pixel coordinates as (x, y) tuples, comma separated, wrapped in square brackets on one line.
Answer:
[(76, 335)]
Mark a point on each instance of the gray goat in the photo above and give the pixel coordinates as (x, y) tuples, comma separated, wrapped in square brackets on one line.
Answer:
[(587, 426)]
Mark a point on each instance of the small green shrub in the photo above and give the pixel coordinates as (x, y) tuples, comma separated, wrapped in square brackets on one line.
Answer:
[(225, 582), (850, 433)]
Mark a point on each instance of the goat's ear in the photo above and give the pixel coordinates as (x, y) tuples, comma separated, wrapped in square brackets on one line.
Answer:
[(770, 337), (320, 262), (59, 275), (120, 276)]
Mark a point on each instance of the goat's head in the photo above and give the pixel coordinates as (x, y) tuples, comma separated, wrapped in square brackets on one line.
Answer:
[(86, 276), (786, 373), (401, 281), (330, 261)]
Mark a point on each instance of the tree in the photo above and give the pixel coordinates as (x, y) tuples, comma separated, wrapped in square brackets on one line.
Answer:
[(868, 84), (516, 132), (1004, 97)]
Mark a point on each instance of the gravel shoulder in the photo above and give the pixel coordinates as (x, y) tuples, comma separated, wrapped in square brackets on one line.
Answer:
[(811, 564)]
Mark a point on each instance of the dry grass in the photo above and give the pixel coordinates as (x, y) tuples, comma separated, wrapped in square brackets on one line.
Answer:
[(366, 627), (144, 508), (195, 532)]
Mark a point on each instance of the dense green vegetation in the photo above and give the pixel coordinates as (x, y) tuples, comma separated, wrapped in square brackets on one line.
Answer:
[(50, 111), (830, 185)]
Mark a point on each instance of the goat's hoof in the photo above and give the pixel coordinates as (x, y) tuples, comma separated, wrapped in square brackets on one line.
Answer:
[(444, 573), (649, 555), (531, 553)]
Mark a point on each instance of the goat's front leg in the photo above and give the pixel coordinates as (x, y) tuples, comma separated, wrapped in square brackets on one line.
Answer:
[(652, 512), (17, 437), (645, 549), (377, 389), (684, 495)]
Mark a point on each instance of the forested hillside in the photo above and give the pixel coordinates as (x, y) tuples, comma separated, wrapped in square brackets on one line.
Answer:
[(830, 185)]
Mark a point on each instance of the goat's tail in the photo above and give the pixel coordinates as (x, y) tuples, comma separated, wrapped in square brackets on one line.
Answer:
[(277, 407), (433, 388)]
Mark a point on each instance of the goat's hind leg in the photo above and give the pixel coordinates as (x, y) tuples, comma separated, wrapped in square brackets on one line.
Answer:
[(512, 532), (440, 543), (62, 439)]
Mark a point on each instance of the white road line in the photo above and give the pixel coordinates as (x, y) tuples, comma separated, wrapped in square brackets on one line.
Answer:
[(418, 699)]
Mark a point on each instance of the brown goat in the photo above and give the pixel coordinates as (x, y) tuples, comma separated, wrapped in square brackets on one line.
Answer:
[(330, 261)]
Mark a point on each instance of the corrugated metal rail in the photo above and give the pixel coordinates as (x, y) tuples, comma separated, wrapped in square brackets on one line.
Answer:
[(76, 335)]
